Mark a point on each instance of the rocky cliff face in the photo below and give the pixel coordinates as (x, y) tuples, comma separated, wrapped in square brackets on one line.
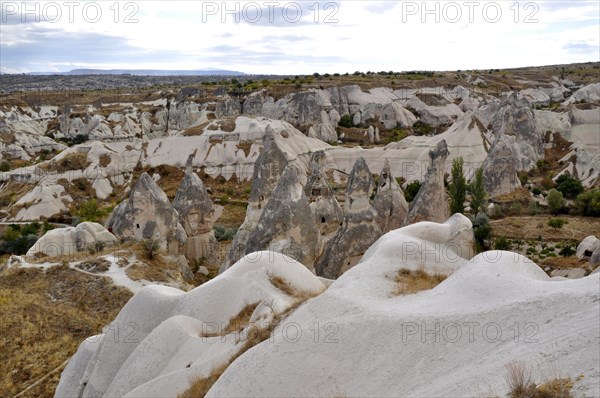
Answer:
[(148, 214), (197, 215), (389, 201), (359, 228), (431, 203), (285, 225)]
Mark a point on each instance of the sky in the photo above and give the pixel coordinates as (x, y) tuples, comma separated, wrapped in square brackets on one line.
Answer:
[(295, 37)]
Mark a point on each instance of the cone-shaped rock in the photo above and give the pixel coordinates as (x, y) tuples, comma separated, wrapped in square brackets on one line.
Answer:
[(148, 214), (326, 210), (499, 171), (359, 229), (267, 169), (285, 225), (197, 216), (431, 203), (389, 202)]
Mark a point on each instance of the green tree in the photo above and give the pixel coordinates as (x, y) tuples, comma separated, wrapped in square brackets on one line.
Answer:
[(478, 193), (588, 203), (458, 187), (569, 186), (556, 202)]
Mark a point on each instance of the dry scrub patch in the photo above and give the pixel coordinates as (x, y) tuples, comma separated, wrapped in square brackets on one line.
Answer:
[(410, 282), (94, 266), (45, 316), (105, 159), (71, 161), (520, 384), (236, 324), (533, 227)]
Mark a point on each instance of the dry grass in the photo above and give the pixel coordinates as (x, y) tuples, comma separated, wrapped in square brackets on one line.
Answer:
[(200, 386), (45, 316), (410, 282), (71, 161), (283, 285), (105, 159), (236, 324), (94, 266), (532, 227), (520, 384)]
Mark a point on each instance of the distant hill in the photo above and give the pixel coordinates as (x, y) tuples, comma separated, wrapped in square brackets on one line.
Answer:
[(145, 72)]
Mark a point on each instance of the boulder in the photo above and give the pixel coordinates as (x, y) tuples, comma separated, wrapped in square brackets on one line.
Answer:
[(70, 240), (268, 167), (148, 214), (389, 201), (587, 247), (284, 226), (431, 203), (325, 208), (197, 216), (359, 228)]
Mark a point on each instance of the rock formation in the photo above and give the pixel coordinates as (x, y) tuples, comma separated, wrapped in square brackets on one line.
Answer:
[(268, 167), (285, 225), (389, 201), (359, 229), (431, 203), (499, 168), (325, 208), (69, 240), (148, 214), (197, 216)]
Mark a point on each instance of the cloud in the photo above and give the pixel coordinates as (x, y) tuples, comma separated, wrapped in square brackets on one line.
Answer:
[(583, 48), (378, 7)]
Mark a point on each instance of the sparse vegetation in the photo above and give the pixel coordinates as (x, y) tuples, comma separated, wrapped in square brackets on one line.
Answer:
[(150, 248), (520, 384), (413, 281), (224, 234)]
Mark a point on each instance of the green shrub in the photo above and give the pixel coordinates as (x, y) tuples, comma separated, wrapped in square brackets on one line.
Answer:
[(556, 223), (90, 211), (588, 203), (569, 186), (567, 250), (224, 234), (422, 128), (4, 166), (501, 243), (412, 189), (481, 230), (346, 121)]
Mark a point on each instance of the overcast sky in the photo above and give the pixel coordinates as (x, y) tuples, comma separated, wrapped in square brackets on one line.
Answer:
[(296, 37)]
